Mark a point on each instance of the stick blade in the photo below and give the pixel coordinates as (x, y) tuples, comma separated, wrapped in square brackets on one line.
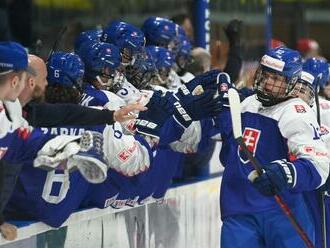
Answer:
[(235, 112)]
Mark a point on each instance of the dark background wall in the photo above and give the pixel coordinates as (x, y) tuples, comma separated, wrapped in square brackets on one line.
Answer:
[(30, 20)]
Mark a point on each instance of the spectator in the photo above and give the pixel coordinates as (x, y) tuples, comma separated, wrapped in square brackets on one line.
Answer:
[(308, 48), (201, 61), (184, 21), (4, 24)]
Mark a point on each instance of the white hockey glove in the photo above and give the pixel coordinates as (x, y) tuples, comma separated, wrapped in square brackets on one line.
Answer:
[(56, 151), (84, 153)]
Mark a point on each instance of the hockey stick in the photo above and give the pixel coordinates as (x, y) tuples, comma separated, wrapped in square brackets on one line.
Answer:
[(321, 192), (55, 45), (235, 111)]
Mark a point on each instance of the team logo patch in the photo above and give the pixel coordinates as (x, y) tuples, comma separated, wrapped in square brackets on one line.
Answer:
[(251, 138), (130, 126), (314, 152), (223, 87), (300, 108), (309, 149), (126, 153)]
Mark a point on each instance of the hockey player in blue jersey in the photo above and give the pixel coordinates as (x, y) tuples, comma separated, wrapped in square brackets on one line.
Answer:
[(275, 124)]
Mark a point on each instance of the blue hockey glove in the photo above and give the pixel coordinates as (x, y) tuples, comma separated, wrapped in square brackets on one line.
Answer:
[(224, 84), (188, 108), (278, 176), (202, 82), (159, 110)]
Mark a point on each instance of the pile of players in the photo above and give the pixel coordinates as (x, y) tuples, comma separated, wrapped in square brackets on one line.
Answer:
[(114, 165), (131, 162)]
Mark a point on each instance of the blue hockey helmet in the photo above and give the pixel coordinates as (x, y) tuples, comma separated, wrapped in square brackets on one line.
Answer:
[(65, 69), (141, 73), (277, 74), (88, 35), (325, 89), (319, 68), (159, 31), (127, 37), (162, 57), (183, 54), (102, 60), (164, 61), (315, 74)]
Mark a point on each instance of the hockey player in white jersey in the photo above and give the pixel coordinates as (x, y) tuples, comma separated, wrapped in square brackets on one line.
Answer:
[(315, 75)]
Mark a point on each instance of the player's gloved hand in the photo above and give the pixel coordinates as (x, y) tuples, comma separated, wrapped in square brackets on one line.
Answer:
[(159, 110), (202, 82), (56, 151), (277, 176), (84, 153), (188, 108), (90, 160), (224, 84), (233, 32)]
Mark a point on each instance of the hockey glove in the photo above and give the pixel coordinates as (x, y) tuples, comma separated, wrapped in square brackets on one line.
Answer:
[(55, 151), (150, 121), (205, 81), (233, 32), (188, 108), (278, 176), (84, 153), (90, 160)]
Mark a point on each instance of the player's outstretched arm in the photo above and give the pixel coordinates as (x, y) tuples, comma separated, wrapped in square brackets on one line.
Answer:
[(125, 113)]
